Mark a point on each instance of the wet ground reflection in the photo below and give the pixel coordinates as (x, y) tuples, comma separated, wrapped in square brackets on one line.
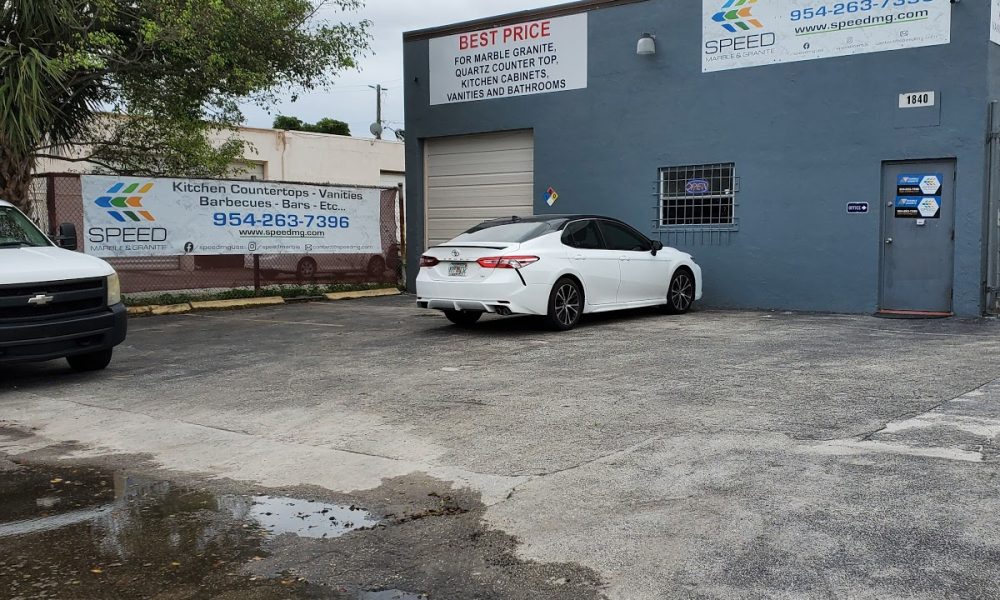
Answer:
[(84, 534)]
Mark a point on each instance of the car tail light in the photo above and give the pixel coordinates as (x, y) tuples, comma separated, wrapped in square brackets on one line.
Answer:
[(428, 261), (506, 262)]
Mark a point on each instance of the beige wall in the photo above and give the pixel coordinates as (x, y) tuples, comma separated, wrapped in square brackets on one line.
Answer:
[(318, 158), (304, 157)]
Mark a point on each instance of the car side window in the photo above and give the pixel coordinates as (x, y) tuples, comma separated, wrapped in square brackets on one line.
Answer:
[(583, 235), (620, 237)]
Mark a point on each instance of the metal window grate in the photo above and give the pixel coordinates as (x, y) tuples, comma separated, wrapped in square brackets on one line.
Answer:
[(698, 195)]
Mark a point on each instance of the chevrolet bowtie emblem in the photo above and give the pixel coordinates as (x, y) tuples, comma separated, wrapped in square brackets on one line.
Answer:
[(40, 300)]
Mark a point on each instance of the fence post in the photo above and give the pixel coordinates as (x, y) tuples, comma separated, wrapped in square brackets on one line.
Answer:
[(402, 232), (256, 272), (50, 202)]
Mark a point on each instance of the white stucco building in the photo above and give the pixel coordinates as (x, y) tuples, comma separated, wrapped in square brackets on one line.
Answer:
[(320, 158), (299, 156), (279, 155)]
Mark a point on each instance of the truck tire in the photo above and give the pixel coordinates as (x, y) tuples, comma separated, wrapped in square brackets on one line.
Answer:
[(95, 361)]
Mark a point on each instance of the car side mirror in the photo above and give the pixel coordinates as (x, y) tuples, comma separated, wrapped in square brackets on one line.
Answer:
[(66, 236), (657, 246)]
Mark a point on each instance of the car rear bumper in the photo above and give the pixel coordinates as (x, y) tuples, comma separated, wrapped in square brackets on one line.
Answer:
[(59, 338), (502, 297)]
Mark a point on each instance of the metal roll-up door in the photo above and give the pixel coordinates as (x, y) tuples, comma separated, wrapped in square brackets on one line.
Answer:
[(475, 178)]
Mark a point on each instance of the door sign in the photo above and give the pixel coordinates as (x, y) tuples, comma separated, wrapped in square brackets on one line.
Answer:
[(857, 208), (918, 196)]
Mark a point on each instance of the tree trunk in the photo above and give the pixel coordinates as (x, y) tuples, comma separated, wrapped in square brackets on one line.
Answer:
[(15, 181)]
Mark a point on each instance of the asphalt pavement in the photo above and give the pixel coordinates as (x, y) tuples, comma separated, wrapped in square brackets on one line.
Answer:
[(642, 456)]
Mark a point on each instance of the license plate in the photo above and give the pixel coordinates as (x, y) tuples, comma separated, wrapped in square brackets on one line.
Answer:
[(457, 270)]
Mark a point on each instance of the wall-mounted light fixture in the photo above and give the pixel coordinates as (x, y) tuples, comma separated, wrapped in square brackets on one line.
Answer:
[(647, 45)]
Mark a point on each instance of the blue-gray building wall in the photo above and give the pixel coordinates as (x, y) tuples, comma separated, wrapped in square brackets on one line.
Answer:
[(806, 139)]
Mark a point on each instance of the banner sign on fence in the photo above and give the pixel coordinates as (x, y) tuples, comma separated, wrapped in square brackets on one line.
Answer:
[(747, 33), (137, 217), (995, 22), (536, 57)]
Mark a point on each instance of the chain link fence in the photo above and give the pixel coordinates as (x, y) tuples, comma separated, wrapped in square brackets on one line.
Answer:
[(59, 199)]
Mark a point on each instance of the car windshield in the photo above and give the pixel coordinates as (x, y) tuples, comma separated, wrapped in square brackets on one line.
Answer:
[(17, 231), (511, 233)]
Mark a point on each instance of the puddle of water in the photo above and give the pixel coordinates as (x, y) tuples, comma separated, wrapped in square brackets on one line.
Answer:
[(391, 595), (84, 534), (303, 518)]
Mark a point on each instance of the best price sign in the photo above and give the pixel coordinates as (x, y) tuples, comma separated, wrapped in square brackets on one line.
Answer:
[(537, 57)]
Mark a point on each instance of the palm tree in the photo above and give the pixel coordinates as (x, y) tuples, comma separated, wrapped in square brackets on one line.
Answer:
[(49, 92)]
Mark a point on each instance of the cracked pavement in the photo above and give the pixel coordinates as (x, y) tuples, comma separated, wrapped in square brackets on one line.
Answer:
[(713, 455)]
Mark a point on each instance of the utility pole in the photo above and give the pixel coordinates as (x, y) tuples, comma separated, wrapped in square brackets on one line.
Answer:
[(377, 127), (378, 108)]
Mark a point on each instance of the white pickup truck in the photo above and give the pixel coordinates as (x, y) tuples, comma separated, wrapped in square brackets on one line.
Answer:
[(55, 303)]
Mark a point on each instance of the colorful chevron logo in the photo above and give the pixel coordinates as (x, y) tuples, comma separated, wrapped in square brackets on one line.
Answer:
[(736, 16), (126, 197)]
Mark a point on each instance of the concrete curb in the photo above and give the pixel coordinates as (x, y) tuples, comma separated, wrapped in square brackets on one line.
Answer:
[(170, 309), (363, 294), (240, 303), (179, 309)]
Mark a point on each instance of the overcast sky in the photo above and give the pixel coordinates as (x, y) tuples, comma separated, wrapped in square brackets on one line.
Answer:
[(350, 99)]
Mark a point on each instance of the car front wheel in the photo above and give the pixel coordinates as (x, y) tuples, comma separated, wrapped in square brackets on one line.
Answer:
[(680, 296), (95, 361), (463, 318), (565, 305)]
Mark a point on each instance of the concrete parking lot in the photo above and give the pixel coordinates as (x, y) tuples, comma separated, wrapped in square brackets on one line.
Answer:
[(641, 456)]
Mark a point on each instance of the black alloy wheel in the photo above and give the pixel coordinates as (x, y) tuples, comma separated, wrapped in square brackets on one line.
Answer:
[(565, 305), (680, 296)]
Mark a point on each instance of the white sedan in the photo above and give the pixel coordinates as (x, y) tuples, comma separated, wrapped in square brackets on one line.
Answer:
[(560, 267)]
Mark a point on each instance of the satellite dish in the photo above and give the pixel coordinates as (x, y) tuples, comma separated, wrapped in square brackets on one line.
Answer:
[(376, 129)]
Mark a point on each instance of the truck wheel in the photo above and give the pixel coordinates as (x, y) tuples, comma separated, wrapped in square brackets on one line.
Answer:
[(95, 361)]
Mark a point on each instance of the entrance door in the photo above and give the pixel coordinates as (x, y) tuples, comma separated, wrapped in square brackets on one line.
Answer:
[(918, 222)]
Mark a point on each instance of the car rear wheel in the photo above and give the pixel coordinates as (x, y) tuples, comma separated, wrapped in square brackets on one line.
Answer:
[(565, 305), (680, 295), (463, 318), (376, 267), (95, 361), (306, 269)]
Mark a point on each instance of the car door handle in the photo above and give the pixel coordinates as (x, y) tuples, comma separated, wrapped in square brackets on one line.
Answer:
[(888, 240), (625, 258), (579, 257)]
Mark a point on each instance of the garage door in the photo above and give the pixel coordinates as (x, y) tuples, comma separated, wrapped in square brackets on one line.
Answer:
[(471, 179)]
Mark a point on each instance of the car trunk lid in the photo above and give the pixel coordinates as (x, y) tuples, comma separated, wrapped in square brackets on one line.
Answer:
[(458, 261)]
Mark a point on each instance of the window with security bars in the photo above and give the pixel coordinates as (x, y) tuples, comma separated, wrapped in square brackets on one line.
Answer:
[(701, 195)]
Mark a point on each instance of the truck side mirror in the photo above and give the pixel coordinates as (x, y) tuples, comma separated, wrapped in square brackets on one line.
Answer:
[(66, 237)]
